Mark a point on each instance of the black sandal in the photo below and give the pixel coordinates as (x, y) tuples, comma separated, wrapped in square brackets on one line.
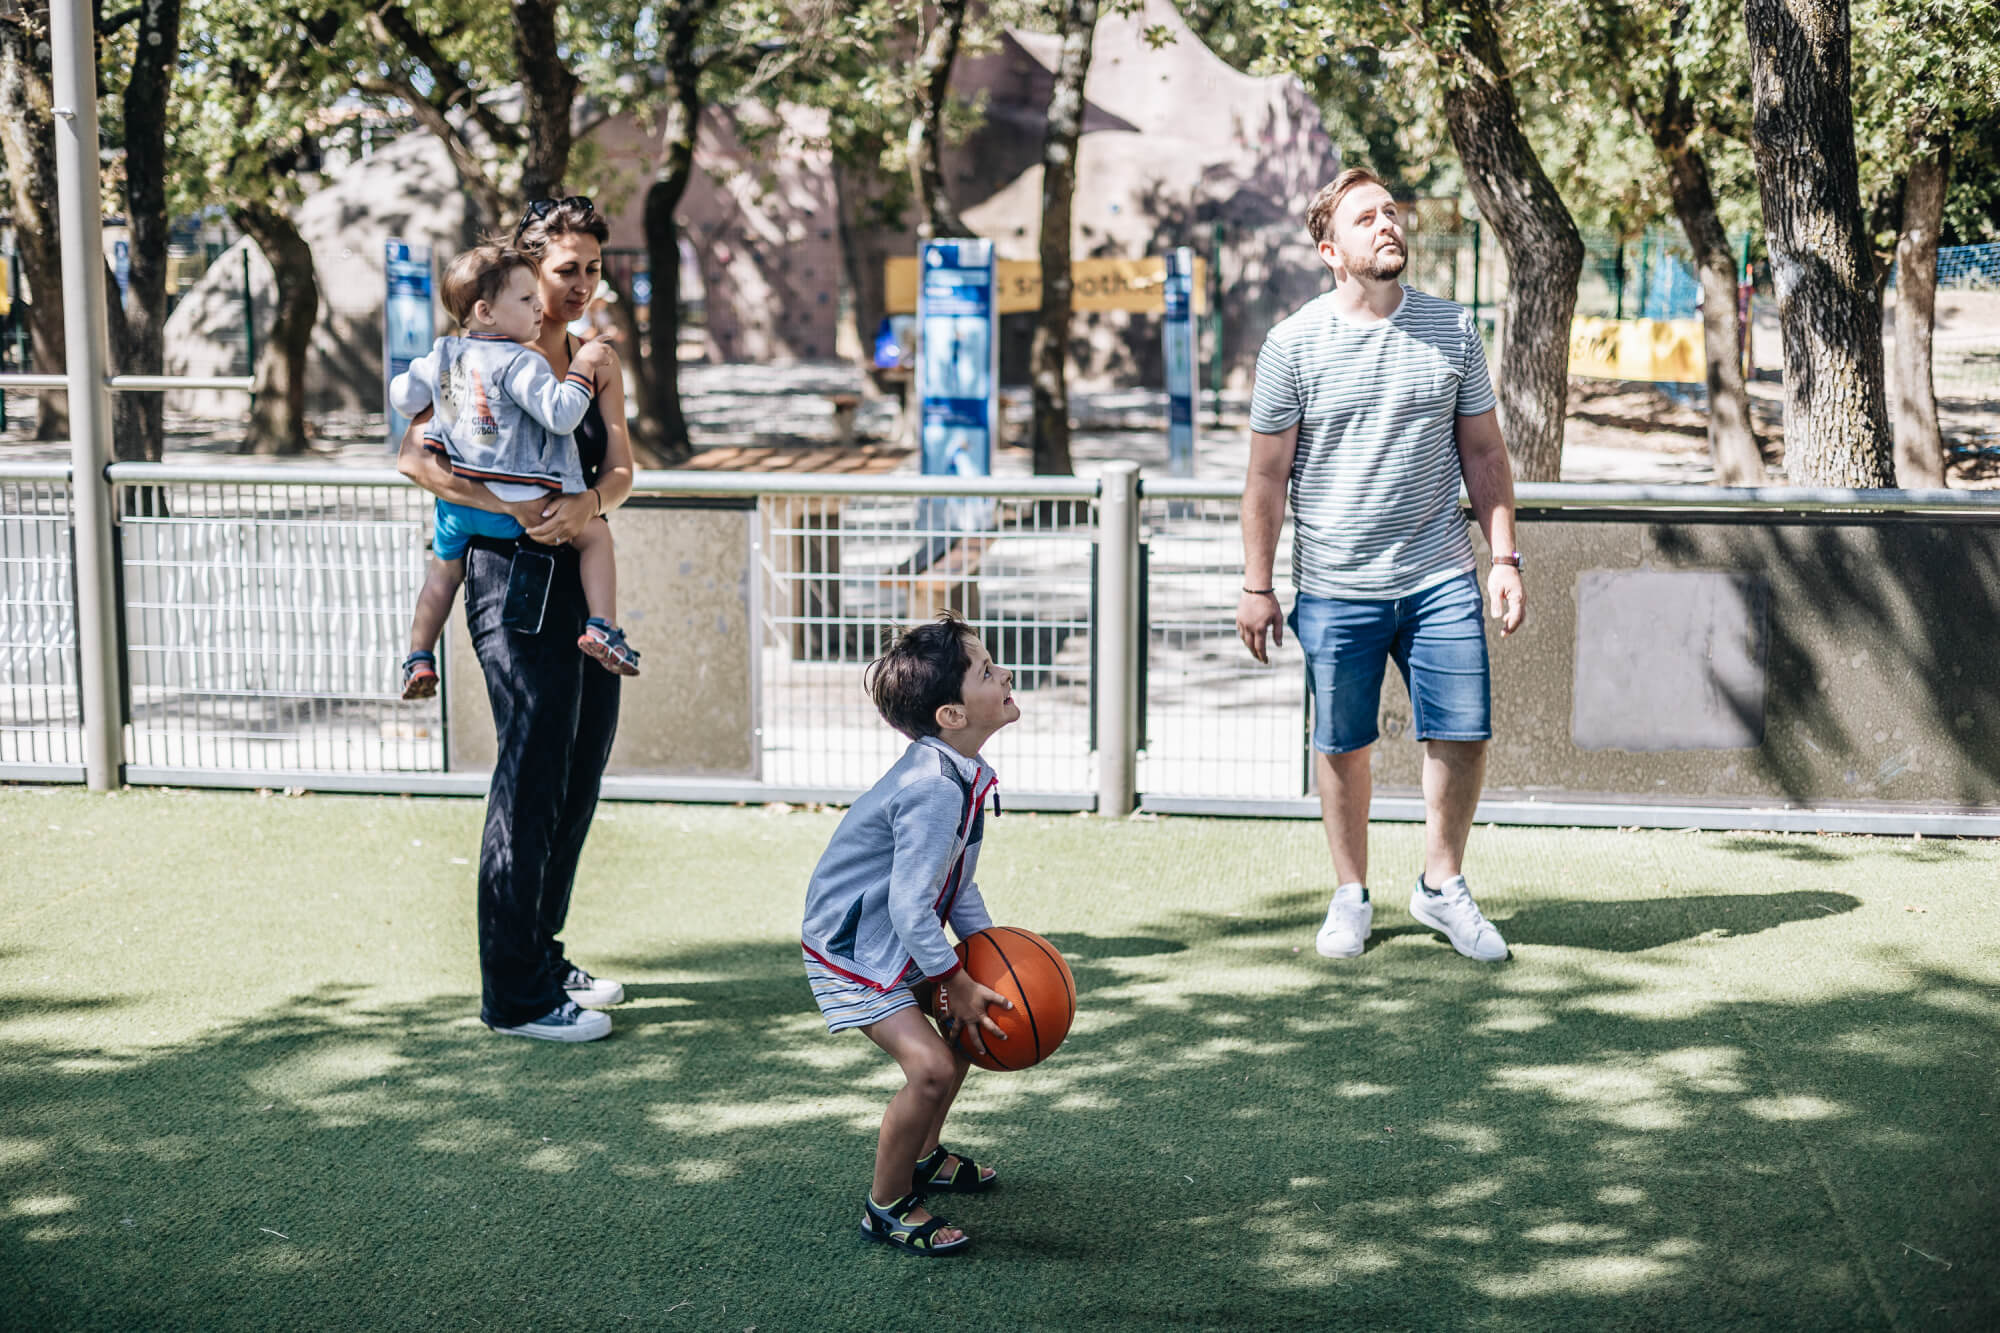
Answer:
[(893, 1226), (932, 1176)]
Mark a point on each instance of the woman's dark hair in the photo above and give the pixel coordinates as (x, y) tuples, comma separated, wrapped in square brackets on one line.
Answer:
[(922, 672), (546, 219)]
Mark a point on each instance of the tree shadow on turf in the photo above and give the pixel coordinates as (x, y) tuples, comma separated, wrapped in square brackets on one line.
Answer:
[(1235, 1136), (1930, 851), (1635, 925)]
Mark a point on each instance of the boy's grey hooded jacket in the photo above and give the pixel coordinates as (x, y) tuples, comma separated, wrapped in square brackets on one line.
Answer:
[(502, 415), (901, 865)]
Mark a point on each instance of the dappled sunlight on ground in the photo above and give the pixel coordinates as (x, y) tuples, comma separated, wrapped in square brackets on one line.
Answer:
[(1716, 1086)]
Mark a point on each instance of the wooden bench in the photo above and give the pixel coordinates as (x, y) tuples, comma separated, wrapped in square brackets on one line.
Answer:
[(942, 576), (846, 407)]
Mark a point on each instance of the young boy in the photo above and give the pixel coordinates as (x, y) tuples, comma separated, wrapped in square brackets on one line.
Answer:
[(899, 868), (503, 418)]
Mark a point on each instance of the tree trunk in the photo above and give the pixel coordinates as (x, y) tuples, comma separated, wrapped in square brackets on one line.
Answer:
[(1732, 445), (548, 91), (1544, 252), (1048, 357), (860, 262), (625, 316), (667, 422), (278, 417), (1802, 136), (934, 67), (1919, 442), (144, 344), (28, 151)]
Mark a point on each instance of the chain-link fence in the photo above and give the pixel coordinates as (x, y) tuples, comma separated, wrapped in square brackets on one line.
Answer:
[(41, 725)]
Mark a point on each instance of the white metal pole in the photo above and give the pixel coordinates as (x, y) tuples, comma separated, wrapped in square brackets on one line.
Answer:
[(1117, 633), (86, 344)]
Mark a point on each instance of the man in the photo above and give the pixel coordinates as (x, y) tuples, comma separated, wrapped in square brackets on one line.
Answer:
[(1372, 403)]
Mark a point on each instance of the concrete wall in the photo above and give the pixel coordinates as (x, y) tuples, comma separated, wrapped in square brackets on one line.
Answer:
[(1847, 664), (684, 598)]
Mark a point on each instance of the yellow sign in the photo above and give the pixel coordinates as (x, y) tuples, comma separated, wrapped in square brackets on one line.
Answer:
[(1666, 350), (6, 290), (1138, 285)]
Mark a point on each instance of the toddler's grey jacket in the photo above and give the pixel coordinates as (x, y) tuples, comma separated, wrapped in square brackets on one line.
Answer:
[(502, 415)]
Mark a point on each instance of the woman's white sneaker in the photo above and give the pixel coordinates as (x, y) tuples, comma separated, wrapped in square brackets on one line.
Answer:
[(1449, 908), (566, 1022), (592, 992), (1349, 917)]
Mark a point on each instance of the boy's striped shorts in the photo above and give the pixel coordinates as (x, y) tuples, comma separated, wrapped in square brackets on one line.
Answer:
[(851, 1004)]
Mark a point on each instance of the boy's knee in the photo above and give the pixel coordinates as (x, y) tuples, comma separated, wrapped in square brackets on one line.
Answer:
[(932, 1076)]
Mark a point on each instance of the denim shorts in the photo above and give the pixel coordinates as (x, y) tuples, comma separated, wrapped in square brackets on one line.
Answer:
[(455, 525), (1438, 640)]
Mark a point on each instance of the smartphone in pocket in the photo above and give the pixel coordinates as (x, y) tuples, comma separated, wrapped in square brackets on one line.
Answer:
[(528, 579)]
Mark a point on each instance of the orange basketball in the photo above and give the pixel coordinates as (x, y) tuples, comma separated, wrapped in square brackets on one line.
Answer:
[(1027, 969)]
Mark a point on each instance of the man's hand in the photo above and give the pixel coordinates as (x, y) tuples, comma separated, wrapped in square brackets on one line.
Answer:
[(961, 999), (1506, 598), (1258, 614)]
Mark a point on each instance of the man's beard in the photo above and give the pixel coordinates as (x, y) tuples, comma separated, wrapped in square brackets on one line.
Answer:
[(1380, 265)]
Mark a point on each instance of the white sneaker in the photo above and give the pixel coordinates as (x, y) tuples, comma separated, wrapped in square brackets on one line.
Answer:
[(1451, 910), (592, 992), (565, 1022), (1348, 919)]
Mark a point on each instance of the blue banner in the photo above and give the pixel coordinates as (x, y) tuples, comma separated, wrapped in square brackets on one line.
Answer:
[(1178, 335), (958, 370), (409, 322)]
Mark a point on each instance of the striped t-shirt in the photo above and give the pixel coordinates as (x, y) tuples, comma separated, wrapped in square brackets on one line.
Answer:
[(1375, 480)]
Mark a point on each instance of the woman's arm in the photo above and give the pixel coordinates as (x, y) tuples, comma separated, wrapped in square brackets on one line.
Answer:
[(614, 478), (430, 471), (564, 516)]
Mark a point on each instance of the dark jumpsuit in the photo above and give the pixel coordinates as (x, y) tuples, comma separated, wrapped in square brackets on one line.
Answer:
[(555, 713)]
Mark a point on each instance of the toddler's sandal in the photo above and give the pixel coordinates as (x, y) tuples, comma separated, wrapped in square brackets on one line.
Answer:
[(605, 644), (420, 677), (892, 1226)]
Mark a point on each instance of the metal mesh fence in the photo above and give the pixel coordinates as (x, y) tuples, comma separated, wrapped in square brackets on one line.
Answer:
[(40, 722), (842, 573), (264, 625), (1965, 351), (1969, 268), (1215, 722)]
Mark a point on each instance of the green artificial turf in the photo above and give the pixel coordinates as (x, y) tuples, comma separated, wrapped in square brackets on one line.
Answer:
[(1727, 1081)]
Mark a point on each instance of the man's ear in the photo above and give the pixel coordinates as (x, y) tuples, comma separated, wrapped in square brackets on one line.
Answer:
[(950, 717)]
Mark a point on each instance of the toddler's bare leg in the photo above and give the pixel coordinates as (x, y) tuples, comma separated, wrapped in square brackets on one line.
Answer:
[(434, 603), (597, 567)]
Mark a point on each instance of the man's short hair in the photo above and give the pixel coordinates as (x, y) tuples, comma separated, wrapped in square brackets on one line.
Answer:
[(922, 672), (481, 274), (1319, 214)]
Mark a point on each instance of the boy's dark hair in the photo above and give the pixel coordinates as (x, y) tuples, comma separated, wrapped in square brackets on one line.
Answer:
[(481, 274), (923, 671)]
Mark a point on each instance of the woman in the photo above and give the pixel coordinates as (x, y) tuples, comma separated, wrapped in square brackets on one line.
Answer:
[(554, 712)]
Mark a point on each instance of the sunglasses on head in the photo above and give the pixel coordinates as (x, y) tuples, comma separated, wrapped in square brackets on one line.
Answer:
[(540, 208)]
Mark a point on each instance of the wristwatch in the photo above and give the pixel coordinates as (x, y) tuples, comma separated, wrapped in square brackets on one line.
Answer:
[(1511, 558)]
